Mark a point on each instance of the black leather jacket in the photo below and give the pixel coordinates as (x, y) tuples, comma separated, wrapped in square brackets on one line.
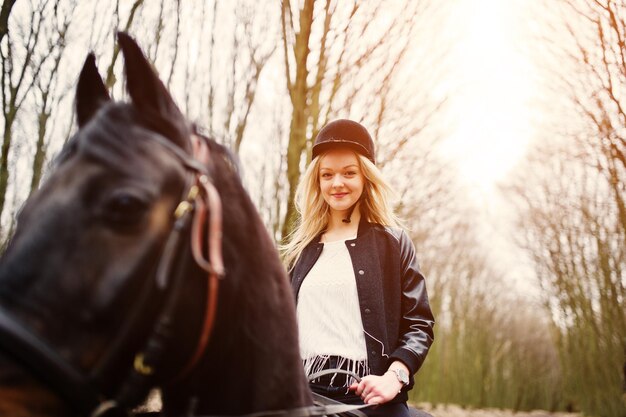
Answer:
[(392, 295)]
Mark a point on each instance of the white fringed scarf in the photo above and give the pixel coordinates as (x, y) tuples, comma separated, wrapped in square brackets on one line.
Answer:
[(329, 316)]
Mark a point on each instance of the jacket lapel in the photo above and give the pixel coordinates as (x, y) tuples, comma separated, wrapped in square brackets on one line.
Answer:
[(308, 257)]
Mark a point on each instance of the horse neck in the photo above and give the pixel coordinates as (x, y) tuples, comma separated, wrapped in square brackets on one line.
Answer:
[(253, 361), (264, 366), (267, 352), (244, 371)]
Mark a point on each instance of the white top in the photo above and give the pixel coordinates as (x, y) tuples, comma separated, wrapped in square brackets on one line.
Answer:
[(329, 317)]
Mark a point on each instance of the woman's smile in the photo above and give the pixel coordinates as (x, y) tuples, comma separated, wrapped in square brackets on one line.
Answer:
[(341, 180)]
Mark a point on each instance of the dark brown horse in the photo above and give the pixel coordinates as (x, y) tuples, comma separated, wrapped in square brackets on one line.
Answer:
[(85, 292)]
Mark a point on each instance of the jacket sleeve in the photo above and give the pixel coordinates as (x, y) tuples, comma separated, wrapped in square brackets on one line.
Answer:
[(417, 322)]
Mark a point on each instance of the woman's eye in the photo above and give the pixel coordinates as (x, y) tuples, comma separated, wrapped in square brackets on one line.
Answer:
[(350, 173), (326, 175), (124, 210)]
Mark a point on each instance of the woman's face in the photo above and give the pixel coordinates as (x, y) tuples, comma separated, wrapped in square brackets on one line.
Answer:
[(341, 179)]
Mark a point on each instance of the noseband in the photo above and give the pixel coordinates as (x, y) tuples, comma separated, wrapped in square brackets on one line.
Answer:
[(198, 215)]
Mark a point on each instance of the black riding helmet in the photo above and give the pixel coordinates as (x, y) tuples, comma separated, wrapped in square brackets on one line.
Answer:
[(344, 133)]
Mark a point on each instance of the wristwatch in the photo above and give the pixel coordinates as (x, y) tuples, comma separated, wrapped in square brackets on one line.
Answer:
[(402, 375)]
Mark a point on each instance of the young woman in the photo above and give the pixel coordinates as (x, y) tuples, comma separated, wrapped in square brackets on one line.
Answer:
[(361, 298)]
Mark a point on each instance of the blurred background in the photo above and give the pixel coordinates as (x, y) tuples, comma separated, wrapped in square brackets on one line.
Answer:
[(501, 124)]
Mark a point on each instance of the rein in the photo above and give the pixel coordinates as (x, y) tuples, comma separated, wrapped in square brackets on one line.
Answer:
[(206, 200)]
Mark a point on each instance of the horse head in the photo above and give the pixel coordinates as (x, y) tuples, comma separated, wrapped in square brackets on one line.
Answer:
[(101, 295)]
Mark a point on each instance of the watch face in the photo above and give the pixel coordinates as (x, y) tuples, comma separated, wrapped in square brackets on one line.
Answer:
[(403, 376)]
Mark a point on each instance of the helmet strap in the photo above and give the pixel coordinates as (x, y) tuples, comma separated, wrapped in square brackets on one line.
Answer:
[(350, 211)]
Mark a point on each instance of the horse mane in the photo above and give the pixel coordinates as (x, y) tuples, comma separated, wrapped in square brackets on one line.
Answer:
[(256, 327)]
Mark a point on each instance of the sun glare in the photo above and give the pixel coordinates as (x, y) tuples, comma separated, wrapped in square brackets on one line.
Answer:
[(490, 110)]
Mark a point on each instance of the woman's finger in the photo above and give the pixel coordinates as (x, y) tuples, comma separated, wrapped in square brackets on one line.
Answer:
[(365, 384), (371, 393), (360, 388), (374, 399)]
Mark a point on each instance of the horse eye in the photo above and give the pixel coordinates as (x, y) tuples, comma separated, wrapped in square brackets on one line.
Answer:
[(124, 210)]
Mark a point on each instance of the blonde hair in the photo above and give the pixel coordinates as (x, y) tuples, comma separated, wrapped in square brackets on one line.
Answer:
[(375, 206)]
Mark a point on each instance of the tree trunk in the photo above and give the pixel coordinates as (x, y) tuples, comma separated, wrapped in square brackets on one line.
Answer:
[(40, 151), (110, 78), (4, 158), (297, 133)]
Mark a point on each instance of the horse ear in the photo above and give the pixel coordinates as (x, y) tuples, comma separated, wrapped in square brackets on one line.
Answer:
[(91, 92), (144, 86)]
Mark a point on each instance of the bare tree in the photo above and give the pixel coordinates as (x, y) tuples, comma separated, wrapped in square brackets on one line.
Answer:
[(110, 73), (572, 231), (575, 216), (22, 62), (46, 89), (298, 92), (249, 55), (595, 57), (479, 334)]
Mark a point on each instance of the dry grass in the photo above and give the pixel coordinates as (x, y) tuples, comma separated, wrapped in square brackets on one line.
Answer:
[(154, 404), (456, 411)]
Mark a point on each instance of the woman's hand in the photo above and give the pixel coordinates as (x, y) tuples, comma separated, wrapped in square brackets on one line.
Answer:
[(374, 389)]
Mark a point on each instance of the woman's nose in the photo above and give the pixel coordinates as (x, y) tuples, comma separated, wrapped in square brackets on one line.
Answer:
[(337, 181)]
